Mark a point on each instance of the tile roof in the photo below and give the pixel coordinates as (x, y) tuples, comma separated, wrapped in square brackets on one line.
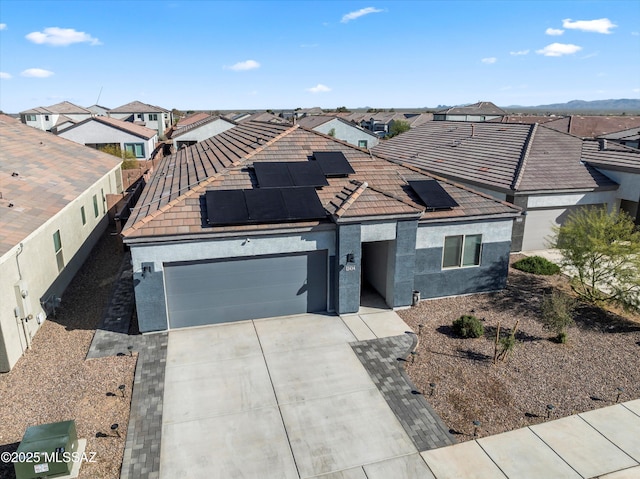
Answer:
[(138, 107), (194, 125), (61, 108), (593, 126), (51, 173), (608, 154), (126, 126), (263, 116), (188, 120), (628, 134), (171, 201), (480, 108), (507, 157), (314, 121)]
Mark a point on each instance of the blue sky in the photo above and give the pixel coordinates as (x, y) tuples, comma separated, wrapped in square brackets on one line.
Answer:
[(288, 54)]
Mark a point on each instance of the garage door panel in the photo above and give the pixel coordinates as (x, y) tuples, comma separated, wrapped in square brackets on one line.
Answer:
[(213, 292)]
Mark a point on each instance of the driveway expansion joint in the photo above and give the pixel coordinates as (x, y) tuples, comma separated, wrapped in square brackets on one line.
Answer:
[(382, 358)]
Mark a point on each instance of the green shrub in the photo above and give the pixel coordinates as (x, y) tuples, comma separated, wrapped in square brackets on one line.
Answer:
[(468, 326), (557, 314), (537, 265)]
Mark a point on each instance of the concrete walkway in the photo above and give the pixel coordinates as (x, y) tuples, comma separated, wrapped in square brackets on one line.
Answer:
[(603, 443)]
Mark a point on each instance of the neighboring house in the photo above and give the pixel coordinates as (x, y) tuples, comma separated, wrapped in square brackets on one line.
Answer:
[(191, 119), (594, 126), (340, 129), (192, 132), (98, 110), (380, 123), (101, 131), (151, 116), (481, 111), (55, 117), (262, 116), (622, 165), (221, 235), (536, 168), (629, 137), (53, 210)]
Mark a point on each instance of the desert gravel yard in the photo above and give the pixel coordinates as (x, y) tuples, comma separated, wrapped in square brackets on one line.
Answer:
[(53, 381), (602, 355)]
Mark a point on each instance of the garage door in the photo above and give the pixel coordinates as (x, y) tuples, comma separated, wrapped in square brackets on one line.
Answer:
[(538, 227), (214, 292)]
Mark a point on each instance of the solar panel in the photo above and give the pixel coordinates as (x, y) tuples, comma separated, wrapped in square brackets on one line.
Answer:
[(333, 163), (226, 207), (288, 174), (432, 194), (265, 205), (269, 205), (272, 175), (303, 203), (307, 173)]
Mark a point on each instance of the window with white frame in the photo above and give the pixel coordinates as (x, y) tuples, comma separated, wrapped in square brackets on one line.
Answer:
[(136, 148), (153, 117), (57, 246), (141, 116), (362, 143), (30, 118), (83, 215), (461, 250)]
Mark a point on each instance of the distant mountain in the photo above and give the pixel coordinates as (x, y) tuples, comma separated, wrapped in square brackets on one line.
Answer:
[(626, 105)]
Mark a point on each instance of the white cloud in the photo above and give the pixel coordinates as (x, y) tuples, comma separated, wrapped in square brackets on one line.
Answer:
[(558, 49), (4, 75), (3, 26), (61, 37), (636, 90), (602, 25), (243, 66), (489, 60), (319, 88), (520, 52), (554, 31), (36, 73), (359, 13)]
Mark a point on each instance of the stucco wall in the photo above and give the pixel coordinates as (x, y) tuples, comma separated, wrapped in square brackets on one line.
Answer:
[(629, 183), (347, 133), (95, 132), (37, 266), (203, 132), (433, 281)]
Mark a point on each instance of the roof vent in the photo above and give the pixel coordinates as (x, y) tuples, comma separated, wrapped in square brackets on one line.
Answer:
[(603, 144), (15, 173)]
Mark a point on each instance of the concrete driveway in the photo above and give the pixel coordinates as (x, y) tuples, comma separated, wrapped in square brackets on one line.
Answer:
[(277, 398)]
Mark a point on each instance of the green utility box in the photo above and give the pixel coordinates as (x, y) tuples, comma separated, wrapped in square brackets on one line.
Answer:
[(47, 450)]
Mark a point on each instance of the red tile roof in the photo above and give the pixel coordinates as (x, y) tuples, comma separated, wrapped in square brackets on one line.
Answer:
[(40, 174), (171, 202)]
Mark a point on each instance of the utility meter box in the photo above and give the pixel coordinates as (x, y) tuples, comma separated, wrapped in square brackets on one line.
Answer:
[(47, 451)]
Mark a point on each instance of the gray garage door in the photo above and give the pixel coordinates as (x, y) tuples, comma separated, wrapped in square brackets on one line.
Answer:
[(213, 292), (538, 229)]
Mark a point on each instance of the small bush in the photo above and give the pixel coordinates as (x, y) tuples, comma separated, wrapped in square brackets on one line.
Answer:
[(557, 314), (468, 326), (537, 265)]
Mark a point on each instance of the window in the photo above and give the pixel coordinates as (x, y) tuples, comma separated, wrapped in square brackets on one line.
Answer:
[(104, 201), (30, 118), (460, 251), (95, 206), (57, 246), (140, 116), (46, 118), (362, 143), (84, 216), (153, 117), (136, 148)]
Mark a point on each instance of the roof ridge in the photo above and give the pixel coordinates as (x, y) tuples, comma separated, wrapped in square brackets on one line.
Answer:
[(199, 186), (525, 156), (342, 209), (394, 197)]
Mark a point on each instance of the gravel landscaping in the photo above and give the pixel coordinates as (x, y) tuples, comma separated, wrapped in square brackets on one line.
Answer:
[(602, 355), (53, 381)]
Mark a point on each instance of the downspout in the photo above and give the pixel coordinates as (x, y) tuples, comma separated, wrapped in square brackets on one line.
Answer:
[(16, 310)]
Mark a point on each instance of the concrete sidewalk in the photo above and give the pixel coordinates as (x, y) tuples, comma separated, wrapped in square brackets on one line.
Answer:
[(603, 443)]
